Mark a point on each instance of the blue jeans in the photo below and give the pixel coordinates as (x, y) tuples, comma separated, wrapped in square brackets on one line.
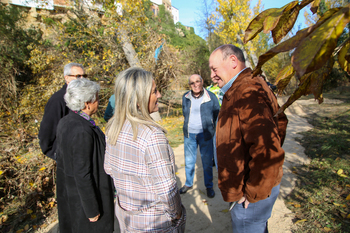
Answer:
[(206, 149), (215, 155), (254, 218)]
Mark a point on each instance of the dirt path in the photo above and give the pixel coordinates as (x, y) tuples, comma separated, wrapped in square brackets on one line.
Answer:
[(205, 214)]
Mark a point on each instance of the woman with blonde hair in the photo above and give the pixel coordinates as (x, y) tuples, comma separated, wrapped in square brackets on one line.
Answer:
[(140, 160)]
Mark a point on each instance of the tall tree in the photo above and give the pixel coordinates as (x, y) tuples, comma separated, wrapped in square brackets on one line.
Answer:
[(205, 21), (232, 17)]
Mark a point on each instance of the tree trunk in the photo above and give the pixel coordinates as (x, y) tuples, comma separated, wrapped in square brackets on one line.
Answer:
[(132, 58), (252, 55), (240, 42), (128, 49)]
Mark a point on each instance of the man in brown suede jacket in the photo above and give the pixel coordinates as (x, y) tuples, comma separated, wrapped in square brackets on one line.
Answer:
[(249, 138)]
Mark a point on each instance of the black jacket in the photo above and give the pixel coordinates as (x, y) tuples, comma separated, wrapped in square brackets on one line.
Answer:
[(84, 190), (55, 109)]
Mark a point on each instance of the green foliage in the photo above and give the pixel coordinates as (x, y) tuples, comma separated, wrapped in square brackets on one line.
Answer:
[(32, 70), (322, 8), (193, 49), (14, 52), (337, 78), (23, 186), (163, 23), (174, 127), (321, 195)]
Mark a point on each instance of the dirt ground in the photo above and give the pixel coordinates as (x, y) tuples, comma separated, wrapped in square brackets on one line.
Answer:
[(205, 214)]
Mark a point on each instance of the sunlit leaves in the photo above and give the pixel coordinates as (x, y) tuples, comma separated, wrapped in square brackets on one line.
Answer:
[(236, 15), (284, 77), (344, 57), (281, 20), (174, 127), (313, 47), (286, 22), (256, 25), (314, 51), (311, 83), (282, 47)]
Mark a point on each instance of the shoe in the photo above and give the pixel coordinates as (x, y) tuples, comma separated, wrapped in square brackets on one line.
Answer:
[(184, 189), (210, 192)]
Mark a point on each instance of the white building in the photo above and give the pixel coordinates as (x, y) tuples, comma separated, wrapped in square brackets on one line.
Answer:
[(175, 13), (158, 2), (45, 4), (167, 4)]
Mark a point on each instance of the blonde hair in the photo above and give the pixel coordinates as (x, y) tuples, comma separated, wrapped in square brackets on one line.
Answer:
[(132, 92)]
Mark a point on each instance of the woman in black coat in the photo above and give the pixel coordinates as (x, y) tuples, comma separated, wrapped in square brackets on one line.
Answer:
[(84, 190)]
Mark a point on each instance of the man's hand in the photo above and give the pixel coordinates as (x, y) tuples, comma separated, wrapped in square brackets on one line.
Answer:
[(94, 219), (246, 202)]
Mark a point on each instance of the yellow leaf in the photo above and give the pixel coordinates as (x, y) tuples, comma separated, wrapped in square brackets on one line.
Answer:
[(348, 197), (327, 229), (348, 216), (4, 218), (29, 211), (286, 22), (176, 173), (224, 211), (52, 204), (20, 231), (1, 172), (33, 216), (340, 171), (342, 175), (340, 205), (348, 185), (26, 227), (299, 221), (297, 205), (43, 168)]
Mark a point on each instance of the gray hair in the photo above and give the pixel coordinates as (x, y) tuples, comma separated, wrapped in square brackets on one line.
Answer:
[(228, 50), (79, 92), (196, 75), (68, 67)]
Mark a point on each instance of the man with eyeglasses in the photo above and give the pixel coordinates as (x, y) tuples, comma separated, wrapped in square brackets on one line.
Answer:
[(200, 109), (55, 109)]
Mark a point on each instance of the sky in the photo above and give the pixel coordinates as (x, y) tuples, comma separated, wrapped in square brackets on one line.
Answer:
[(189, 11)]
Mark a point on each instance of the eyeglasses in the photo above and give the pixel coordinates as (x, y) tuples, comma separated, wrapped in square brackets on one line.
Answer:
[(192, 83), (78, 75)]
